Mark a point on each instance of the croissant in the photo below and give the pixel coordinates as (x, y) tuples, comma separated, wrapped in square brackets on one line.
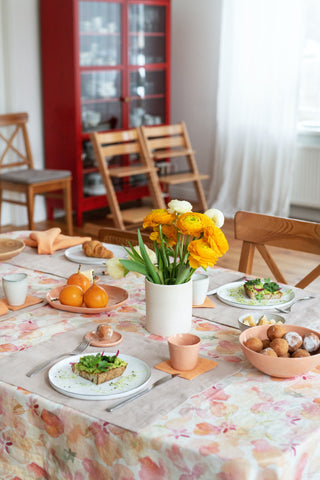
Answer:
[(94, 248)]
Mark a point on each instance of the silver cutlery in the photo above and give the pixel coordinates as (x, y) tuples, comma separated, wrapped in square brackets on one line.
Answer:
[(288, 310), (214, 290), (79, 349), (142, 392)]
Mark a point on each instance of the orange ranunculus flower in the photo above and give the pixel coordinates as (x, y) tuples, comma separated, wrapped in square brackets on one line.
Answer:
[(170, 232), (159, 216), (193, 223), (216, 240), (155, 235), (201, 255)]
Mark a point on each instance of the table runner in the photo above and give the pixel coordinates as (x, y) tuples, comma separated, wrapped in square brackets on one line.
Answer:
[(224, 315), (136, 415)]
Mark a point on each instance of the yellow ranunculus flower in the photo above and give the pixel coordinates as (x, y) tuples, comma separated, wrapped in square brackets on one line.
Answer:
[(201, 255), (216, 240), (159, 216), (193, 223), (170, 232)]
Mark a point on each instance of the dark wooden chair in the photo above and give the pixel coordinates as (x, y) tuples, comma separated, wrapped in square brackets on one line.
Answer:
[(121, 237), (258, 231), (17, 172)]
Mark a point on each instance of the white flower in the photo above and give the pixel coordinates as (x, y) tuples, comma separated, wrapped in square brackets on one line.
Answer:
[(215, 215), (151, 253), (115, 269), (179, 206)]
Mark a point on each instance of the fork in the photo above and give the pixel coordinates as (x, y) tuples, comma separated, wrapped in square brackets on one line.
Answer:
[(288, 310), (79, 349)]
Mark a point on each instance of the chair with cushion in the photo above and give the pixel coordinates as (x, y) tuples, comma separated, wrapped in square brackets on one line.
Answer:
[(258, 231), (18, 175), (122, 237)]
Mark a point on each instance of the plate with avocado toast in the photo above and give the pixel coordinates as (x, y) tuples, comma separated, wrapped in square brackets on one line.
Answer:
[(66, 376), (256, 294)]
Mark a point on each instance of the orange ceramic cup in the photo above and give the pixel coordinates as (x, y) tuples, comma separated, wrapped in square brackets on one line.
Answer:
[(184, 351)]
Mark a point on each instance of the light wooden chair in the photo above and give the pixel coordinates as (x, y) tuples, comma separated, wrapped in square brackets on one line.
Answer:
[(168, 142), (125, 142), (17, 172), (259, 231), (122, 237)]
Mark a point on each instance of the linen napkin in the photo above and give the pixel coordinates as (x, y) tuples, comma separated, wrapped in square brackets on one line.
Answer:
[(51, 240)]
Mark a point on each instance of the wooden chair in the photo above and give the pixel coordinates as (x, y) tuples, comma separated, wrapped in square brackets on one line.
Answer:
[(16, 153), (121, 237), (168, 142), (261, 231), (125, 142)]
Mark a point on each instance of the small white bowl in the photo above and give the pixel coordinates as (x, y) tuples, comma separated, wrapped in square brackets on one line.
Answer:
[(256, 316)]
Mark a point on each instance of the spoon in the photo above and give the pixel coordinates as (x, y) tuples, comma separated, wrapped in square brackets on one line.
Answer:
[(288, 310)]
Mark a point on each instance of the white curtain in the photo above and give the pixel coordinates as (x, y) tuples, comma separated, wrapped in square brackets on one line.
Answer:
[(261, 48)]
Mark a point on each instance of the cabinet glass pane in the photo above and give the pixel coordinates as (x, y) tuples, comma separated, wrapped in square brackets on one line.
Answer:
[(100, 84), (145, 111), (100, 33), (146, 34), (147, 82)]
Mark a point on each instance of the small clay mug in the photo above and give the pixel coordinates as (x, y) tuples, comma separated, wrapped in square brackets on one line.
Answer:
[(184, 351), (15, 287)]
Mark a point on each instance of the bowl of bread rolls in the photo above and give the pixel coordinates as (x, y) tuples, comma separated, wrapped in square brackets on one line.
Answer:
[(281, 350)]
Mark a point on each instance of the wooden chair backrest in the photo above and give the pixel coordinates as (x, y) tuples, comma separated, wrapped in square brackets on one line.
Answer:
[(122, 237), (124, 142), (259, 231), (14, 126), (165, 136)]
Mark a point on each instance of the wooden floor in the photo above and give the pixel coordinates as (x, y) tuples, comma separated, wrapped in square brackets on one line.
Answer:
[(293, 265)]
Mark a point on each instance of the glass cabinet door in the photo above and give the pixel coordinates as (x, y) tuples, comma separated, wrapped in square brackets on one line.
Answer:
[(100, 48)]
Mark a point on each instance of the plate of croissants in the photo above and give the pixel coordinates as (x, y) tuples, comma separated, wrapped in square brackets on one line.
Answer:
[(94, 252)]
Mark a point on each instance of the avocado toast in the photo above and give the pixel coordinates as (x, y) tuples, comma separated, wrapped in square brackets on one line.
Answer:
[(99, 368), (262, 290)]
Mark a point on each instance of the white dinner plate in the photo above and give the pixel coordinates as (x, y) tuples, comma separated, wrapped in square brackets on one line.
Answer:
[(62, 379), (233, 294), (77, 255)]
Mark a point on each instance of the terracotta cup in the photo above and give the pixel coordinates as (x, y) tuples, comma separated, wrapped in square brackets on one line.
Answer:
[(184, 351)]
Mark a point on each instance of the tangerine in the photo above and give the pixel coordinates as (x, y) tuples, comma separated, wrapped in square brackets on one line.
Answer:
[(71, 295), (79, 279), (96, 297)]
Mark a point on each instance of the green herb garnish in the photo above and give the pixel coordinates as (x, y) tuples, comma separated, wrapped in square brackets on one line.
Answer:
[(99, 363)]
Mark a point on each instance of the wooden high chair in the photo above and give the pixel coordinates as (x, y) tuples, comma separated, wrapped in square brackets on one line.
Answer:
[(16, 153), (125, 142), (166, 143), (258, 231)]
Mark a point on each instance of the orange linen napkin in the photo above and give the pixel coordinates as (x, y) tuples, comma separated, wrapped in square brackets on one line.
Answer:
[(51, 240), (29, 301), (206, 304), (203, 365)]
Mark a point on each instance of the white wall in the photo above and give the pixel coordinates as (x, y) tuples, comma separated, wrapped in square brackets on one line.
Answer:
[(195, 57), (20, 79)]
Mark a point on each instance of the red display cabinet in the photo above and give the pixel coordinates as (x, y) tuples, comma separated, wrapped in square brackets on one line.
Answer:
[(105, 65)]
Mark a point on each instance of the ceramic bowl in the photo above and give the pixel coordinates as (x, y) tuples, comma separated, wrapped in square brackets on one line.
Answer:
[(256, 316), (276, 366)]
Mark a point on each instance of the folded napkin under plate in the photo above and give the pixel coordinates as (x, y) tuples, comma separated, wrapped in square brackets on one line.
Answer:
[(49, 241), (135, 416)]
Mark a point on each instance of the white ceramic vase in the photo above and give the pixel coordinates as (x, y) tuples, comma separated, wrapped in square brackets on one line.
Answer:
[(168, 308)]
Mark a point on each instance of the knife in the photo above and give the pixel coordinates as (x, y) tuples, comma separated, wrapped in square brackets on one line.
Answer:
[(142, 392), (214, 290)]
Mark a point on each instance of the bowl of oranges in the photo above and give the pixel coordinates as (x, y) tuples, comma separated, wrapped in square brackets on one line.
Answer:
[(82, 294)]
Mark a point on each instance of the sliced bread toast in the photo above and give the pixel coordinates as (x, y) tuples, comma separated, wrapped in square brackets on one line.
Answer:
[(258, 290), (100, 377)]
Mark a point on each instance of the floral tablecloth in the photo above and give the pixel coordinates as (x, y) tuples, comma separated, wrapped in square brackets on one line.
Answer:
[(249, 427)]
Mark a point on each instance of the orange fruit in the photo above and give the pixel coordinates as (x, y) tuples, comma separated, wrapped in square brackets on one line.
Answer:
[(79, 279), (71, 295), (96, 297)]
